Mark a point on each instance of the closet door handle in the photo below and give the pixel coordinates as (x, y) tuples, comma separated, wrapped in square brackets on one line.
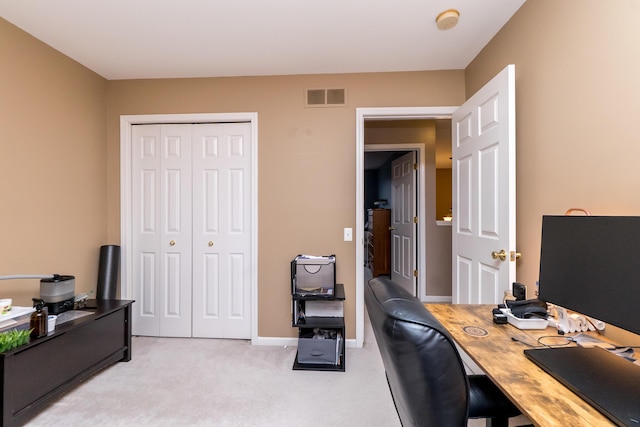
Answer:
[(172, 243), (211, 243), (502, 255)]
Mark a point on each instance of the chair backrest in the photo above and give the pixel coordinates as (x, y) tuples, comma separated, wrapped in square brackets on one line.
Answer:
[(426, 375)]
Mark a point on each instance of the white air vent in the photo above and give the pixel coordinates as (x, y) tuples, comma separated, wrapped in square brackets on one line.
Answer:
[(335, 97)]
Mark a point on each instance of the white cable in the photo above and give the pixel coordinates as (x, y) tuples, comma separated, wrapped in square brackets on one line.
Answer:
[(598, 324), (27, 276), (581, 324)]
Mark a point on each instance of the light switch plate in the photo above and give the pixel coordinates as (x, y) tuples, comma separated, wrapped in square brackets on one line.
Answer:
[(348, 234)]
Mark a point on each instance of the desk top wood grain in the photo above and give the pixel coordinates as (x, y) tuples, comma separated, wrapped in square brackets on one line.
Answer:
[(544, 400)]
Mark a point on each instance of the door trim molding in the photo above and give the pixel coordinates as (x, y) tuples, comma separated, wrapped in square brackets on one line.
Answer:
[(126, 122), (362, 114)]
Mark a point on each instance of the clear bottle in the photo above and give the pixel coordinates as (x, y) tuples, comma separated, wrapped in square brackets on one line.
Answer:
[(38, 322)]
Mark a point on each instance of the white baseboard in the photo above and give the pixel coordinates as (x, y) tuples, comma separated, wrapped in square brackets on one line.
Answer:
[(437, 299)]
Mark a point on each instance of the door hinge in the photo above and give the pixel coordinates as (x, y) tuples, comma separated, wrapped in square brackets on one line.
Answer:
[(415, 273), (415, 219), (415, 166)]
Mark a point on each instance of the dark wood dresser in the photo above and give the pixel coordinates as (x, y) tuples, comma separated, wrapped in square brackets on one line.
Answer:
[(379, 241)]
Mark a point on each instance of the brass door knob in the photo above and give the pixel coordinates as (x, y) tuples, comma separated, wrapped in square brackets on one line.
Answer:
[(513, 255), (210, 243), (172, 243), (502, 255)]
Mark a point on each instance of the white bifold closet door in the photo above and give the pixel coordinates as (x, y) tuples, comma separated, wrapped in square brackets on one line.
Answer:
[(191, 230)]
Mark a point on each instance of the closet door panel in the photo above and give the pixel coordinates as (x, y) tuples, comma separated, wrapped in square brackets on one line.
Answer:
[(145, 150), (176, 237), (222, 168), (237, 307), (211, 286), (161, 244)]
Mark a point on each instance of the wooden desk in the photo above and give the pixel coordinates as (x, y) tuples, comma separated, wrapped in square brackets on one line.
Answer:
[(541, 398)]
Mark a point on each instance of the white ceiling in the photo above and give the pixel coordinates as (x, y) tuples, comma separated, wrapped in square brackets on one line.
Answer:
[(130, 39)]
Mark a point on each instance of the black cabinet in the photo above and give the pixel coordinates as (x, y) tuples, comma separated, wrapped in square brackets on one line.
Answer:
[(35, 373), (321, 331)]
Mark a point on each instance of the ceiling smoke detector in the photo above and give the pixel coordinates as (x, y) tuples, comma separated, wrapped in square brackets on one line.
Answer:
[(447, 19)]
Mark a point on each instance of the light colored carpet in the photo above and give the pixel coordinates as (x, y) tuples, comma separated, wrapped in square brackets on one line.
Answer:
[(209, 382), (229, 383)]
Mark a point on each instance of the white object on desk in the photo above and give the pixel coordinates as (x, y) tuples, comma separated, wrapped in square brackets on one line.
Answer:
[(16, 312), (51, 326), (15, 316), (519, 323), (5, 305)]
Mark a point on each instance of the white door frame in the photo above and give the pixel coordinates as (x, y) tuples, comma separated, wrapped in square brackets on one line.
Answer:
[(126, 122), (394, 113)]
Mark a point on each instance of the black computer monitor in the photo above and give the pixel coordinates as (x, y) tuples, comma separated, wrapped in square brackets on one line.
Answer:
[(591, 265)]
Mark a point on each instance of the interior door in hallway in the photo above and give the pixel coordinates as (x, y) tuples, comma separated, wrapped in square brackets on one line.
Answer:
[(221, 230), (403, 226)]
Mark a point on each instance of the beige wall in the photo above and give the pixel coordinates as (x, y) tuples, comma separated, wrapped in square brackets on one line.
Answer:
[(306, 162), (576, 77), (52, 166), (577, 82), (576, 86), (60, 136)]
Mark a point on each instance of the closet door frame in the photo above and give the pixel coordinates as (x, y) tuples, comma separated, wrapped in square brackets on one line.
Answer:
[(126, 212)]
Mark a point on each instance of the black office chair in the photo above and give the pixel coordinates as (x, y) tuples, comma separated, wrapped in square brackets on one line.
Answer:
[(425, 373)]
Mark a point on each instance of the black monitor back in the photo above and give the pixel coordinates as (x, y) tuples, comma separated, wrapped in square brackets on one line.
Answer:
[(591, 264)]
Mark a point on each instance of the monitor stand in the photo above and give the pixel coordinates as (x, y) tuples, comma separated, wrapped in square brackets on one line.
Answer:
[(562, 321)]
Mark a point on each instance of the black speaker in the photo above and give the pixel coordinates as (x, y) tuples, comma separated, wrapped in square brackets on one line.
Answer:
[(519, 291), (108, 272)]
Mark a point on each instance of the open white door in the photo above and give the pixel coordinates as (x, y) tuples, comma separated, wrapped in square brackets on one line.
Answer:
[(403, 224), (484, 220)]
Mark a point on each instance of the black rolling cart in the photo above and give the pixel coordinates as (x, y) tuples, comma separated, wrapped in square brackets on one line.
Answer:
[(318, 313)]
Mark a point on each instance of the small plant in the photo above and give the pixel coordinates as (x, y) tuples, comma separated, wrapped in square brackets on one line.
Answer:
[(12, 339)]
